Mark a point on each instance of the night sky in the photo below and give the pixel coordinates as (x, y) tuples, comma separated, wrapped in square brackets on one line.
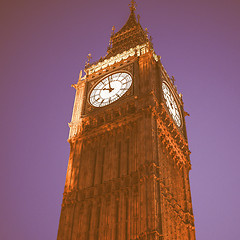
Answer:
[(44, 45)]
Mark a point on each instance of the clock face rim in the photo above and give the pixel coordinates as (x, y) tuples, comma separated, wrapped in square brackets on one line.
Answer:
[(102, 79), (177, 105)]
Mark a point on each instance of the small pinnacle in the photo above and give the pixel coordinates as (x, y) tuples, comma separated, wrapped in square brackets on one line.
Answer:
[(150, 38), (89, 57), (113, 30), (173, 80), (80, 75), (110, 43), (146, 31), (138, 17)]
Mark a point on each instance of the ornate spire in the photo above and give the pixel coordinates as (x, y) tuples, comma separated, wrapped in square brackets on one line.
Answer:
[(132, 5), (129, 36)]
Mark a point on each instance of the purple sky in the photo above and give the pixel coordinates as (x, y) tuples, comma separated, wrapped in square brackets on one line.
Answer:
[(44, 45)]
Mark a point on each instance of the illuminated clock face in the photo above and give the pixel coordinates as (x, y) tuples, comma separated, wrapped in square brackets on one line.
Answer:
[(171, 104), (110, 89)]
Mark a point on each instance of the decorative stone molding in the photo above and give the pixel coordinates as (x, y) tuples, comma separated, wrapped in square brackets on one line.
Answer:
[(137, 51)]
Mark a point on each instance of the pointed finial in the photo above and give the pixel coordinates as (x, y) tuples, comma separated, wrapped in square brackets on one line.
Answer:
[(89, 57), (132, 5), (173, 79), (113, 29), (138, 17), (146, 31)]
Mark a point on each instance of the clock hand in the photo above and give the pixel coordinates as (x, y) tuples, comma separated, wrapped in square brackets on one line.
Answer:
[(109, 82), (110, 88), (101, 102)]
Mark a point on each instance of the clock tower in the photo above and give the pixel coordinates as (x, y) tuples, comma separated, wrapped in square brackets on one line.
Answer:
[(128, 169)]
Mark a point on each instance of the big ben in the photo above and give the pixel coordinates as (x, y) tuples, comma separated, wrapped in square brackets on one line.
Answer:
[(129, 163)]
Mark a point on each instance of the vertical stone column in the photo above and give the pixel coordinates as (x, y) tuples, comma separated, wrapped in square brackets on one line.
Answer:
[(137, 215), (69, 221), (79, 178), (115, 154), (78, 106), (135, 149), (108, 160), (121, 215), (76, 221), (70, 166), (102, 226), (142, 207), (116, 216), (124, 152), (127, 216), (98, 169)]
